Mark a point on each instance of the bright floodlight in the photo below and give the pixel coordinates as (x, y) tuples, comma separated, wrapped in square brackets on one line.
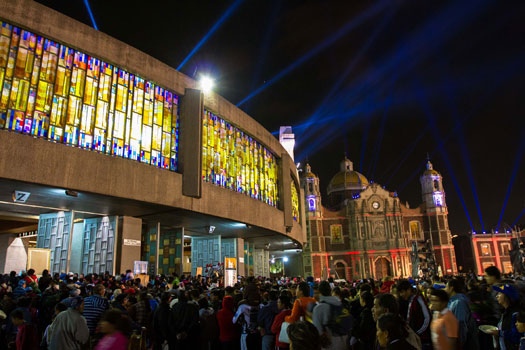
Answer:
[(285, 259), (206, 83)]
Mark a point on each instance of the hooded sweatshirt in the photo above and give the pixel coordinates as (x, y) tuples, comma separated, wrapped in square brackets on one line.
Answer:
[(468, 329), (227, 329), (322, 314)]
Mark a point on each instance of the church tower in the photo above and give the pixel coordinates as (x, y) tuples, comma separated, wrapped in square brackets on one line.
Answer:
[(312, 192), (432, 190), (437, 231)]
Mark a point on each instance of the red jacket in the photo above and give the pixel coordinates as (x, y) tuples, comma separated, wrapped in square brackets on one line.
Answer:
[(227, 330), (385, 287), (276, 327), (27, 338)]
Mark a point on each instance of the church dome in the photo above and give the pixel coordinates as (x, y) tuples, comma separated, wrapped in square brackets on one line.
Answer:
[(347, 179)]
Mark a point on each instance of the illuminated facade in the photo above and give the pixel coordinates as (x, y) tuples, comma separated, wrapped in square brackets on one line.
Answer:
[(65, 82), (368, 232), (55, 92), (233, 159)]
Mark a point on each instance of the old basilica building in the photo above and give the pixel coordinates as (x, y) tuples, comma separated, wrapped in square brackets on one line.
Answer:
[(366, 231)]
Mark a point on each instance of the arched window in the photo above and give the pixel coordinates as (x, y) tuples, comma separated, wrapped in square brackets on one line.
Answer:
[(311, 204)]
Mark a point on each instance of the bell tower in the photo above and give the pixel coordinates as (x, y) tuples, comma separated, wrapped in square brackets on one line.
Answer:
[(437, 232), (432, 190), (312, 192)]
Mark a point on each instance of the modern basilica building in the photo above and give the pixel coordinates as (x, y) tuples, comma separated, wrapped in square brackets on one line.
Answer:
[(109, 158), (365, 231)]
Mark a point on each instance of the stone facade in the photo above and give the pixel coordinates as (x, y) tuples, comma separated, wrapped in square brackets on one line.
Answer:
[(367, 231)]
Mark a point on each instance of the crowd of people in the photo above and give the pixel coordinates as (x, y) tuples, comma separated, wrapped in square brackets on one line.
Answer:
[(104, 312)]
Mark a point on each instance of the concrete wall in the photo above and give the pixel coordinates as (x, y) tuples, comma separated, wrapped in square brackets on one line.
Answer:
[(55, 165), (128, 228)]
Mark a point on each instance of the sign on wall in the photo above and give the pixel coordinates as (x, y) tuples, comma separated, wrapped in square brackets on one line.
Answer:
[(336, 233)]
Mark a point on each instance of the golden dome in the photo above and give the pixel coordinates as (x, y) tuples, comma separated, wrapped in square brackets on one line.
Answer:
[(349, 179)]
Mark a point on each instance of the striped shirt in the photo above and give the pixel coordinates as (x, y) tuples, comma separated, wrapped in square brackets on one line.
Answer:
[(94, 307)]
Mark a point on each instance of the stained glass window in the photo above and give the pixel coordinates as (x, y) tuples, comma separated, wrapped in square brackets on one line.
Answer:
[(233, 159), (295, 202), (52, 91)]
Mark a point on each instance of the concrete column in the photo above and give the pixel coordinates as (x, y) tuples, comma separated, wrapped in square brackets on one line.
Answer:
[(286, 189), (240, 258), (190, 144), (128, 243)]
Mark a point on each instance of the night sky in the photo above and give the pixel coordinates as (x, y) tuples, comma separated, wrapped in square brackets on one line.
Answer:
[(385, 82)]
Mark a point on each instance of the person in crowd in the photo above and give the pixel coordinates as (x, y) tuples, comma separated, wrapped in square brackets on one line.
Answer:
[(387, 303), (392, 333), (247, 316), (265, 320), (364, 329), (21, 289), (304, 336), (324, 317), (493, 279), (284, 305), (44, 280), (141, 312), (116, 329), (387, 284), (94, 306), (417, 314), (228, 333), (458, 304), (69, 330), (507, 333), (520, 326), (184, 324), (300, 305), (27, 337), (445, 326), (209, 329), (160, 324)]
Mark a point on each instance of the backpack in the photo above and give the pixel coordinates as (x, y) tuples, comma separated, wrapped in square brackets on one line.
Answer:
[(252, 326), (341, 320)]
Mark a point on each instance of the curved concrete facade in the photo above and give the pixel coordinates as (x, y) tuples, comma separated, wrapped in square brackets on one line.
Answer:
[(37, 161)]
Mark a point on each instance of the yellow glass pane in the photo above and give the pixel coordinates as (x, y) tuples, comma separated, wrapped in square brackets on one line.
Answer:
[(58, 111), (157, 118), (166, 144), (166, 261), (77, 82), (49, 64), (102, 115), (44, 96), (4, 49), (73, 111), (146, 138), (88, 115), (62, 81), (148, 112), (119, 125), (166, 126), (19, 94), (166, 242), (157, 137), (152, 258), (5, 94), (90, 95), (105, 87), (122, 96), (138, 100), (153, 237)]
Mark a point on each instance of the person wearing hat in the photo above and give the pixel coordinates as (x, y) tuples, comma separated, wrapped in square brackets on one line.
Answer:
[(69, 330), (508, 298)]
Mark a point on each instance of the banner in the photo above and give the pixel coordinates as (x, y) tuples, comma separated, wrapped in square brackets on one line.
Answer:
[(230, 271)]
